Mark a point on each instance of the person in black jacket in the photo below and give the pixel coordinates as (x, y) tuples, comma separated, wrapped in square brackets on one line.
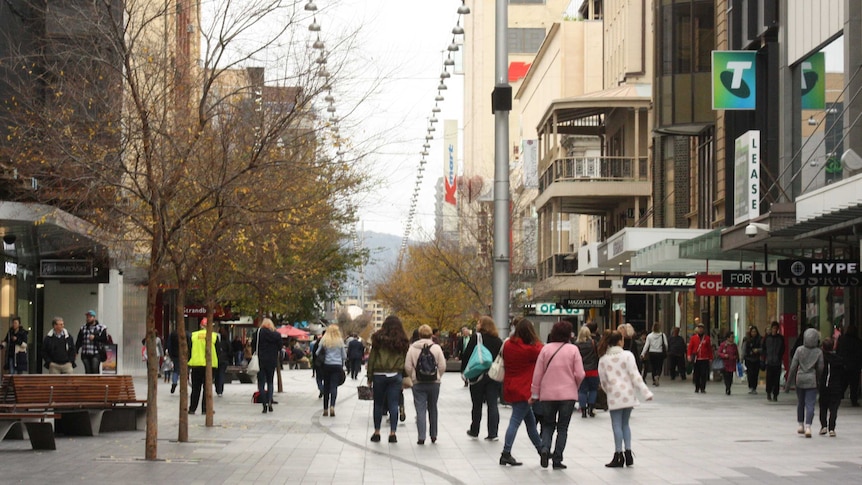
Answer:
[(676, 354), (355, 351), (92, 336), (850, 351), (483, 389), (58, 349), (267, 344), (831, 387), (773, 352), (15, 344), (223, 350), (752, 346)]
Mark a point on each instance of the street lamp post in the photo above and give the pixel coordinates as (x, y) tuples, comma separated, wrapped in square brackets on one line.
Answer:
[(501, 104)]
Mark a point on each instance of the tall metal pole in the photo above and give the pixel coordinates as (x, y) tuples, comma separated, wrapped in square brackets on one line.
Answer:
[(501, 105)]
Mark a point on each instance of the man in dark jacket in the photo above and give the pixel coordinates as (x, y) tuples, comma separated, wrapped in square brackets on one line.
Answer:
[(58, 349), (174, 352), (850, 351), (831, 387), (676, 354), (355, 351), (773, 351)]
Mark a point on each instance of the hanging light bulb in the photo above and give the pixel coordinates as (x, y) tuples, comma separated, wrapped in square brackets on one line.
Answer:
[(424, 153), (321, 59), (331, 109), (453, 47), (457, 29), (329, 98), (439, 97), (431, 128), (322, 72), (463, 9), (449, 61), (426, 146), (333, 119), (318, 44), (429, 137), (334, 129), (445, 74), (314, 27), (433, 119), (310, 6), (442, 87), (435, 109)]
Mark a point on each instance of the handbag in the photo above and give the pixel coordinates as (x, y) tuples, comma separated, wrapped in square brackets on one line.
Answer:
[(498, 371), (254, 362), (717, 364), (364, 391), (480, 361)]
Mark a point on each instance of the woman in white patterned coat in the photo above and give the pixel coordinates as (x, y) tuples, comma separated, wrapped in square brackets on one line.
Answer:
[(619, 376)]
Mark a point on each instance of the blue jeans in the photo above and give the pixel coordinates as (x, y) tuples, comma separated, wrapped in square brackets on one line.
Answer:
[(386, 392), (331, 380), (238, 357), (557, 415), (521, 411), (805, 399), (425, 395), (622, 431), (264, 383), (588, 391)]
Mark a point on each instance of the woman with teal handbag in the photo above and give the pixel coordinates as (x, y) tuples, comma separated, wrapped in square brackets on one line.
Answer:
[(483, 389)]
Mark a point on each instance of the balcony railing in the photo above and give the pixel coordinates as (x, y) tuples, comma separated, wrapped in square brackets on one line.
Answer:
[(594, 169), (558, 265)]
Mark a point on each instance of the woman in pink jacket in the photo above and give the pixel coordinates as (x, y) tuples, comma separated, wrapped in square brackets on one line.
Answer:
[(556, 379), (619, 376)]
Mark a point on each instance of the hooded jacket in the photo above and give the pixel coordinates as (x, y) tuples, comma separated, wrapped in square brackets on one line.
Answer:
[(58, 348), (807, 364), (412, 359), (773, 349), (519, 361)]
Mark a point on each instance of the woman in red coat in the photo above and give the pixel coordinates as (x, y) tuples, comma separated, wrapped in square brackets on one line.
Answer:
[(519, 360)]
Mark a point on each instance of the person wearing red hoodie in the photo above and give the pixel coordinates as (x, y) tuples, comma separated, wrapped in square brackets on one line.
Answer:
[(520, 352), (556, 379)]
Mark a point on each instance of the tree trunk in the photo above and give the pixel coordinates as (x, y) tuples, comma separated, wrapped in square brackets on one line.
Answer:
[(183, 431), (208, 379), (151, 451)]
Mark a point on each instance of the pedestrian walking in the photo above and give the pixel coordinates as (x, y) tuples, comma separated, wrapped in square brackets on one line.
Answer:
[(676, 354), (267, 344), (425, 364), (831, 387), (58, 349), (92, 336), (484, 390), (556, 380), (15, 344), (751, 354), (588, 392), (331, 350), (197, 364), (619, 378), (850, 351), (805, 371), (386, 366), (701, 355), (728, 352), (520, 352), (773, 353), (655, 350)]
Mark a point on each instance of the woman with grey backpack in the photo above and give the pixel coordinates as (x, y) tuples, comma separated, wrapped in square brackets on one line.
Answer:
[(425, 364)]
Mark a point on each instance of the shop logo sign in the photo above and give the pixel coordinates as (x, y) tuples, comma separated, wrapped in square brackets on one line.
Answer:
[(734, 80), (814, 82)]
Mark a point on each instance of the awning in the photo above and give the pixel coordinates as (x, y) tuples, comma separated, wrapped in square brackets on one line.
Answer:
[(596, 103), (708, 246), (666, 257), (289, 331)]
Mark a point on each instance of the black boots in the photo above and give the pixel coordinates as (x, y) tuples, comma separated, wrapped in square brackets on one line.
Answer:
[(265, 408), (507, 459), (591, 411), (618, 461), (629, 458), (584, 412)]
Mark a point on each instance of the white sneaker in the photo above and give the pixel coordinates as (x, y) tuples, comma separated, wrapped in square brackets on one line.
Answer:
[(801, 429), (808, 431), (832, 433), (822, 431)]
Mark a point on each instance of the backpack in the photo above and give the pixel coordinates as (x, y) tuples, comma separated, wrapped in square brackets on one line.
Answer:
[(426, 365)]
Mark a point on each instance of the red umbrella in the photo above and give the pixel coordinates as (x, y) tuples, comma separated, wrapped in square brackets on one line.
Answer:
[(289, 331)]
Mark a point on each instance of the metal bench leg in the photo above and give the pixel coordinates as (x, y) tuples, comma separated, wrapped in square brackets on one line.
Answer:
[(41, 435), (11, 430), (80, 422)]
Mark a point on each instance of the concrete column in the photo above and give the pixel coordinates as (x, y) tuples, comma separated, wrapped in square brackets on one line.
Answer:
[(852, 76)]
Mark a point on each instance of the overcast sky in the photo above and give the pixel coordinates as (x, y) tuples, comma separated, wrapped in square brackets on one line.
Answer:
[(402, 45)]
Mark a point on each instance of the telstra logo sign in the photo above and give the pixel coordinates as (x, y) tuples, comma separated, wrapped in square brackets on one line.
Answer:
[(734, 82)]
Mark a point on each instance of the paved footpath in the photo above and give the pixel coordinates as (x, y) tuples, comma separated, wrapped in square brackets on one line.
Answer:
[(679, 438)]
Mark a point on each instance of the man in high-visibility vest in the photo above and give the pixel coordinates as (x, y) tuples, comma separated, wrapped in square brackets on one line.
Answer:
[(198, 364)]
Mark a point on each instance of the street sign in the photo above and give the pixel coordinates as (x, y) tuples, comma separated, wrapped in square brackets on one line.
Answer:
[(803, 268)]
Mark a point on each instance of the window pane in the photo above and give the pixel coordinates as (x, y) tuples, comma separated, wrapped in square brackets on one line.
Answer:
[(682, 35), (704, 35), (525, 41)]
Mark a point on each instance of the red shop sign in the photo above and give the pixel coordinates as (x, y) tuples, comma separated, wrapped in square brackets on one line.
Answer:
[(710, 285)]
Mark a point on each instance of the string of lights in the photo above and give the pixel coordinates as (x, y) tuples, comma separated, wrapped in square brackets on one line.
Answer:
[(448, 63)]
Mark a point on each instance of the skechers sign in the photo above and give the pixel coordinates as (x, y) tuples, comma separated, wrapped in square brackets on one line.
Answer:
[(733, 79), (657, 283)]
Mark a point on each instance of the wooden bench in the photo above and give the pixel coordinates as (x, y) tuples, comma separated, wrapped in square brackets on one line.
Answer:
[(40, 432), (238, 372), (89, 403)]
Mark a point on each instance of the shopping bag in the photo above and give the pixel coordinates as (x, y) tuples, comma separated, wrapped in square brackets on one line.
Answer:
[(365, 392), (480, 361)]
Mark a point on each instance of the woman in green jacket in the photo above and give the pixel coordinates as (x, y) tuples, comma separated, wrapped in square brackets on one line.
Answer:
[(386, 366)]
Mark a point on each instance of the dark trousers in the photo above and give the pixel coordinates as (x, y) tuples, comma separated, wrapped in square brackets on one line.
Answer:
[(773, 378), (701, 374), (265, 384), (91, 364), (752, 370), (556, 417), (220, 377), (851, 377), (677, 366), (485, 391), (331, 380), (728, 380), (355, 365), (198, 377), (829, 402), (656, 363), (386, 391)]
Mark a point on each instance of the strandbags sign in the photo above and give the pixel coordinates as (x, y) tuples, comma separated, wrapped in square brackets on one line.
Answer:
[(734, 80)]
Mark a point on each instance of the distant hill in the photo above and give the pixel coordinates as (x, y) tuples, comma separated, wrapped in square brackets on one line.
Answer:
[(383, 255)]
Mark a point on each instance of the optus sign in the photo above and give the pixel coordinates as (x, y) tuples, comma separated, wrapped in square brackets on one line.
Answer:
[(711, 285), (734, 79), (554, 309)]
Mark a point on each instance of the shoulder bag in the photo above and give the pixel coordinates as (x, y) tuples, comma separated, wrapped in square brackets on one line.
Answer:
[(480, 360), (498, 371), (254, 362)]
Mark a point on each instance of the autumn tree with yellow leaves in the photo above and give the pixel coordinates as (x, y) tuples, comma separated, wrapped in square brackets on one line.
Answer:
[(160, 130)]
